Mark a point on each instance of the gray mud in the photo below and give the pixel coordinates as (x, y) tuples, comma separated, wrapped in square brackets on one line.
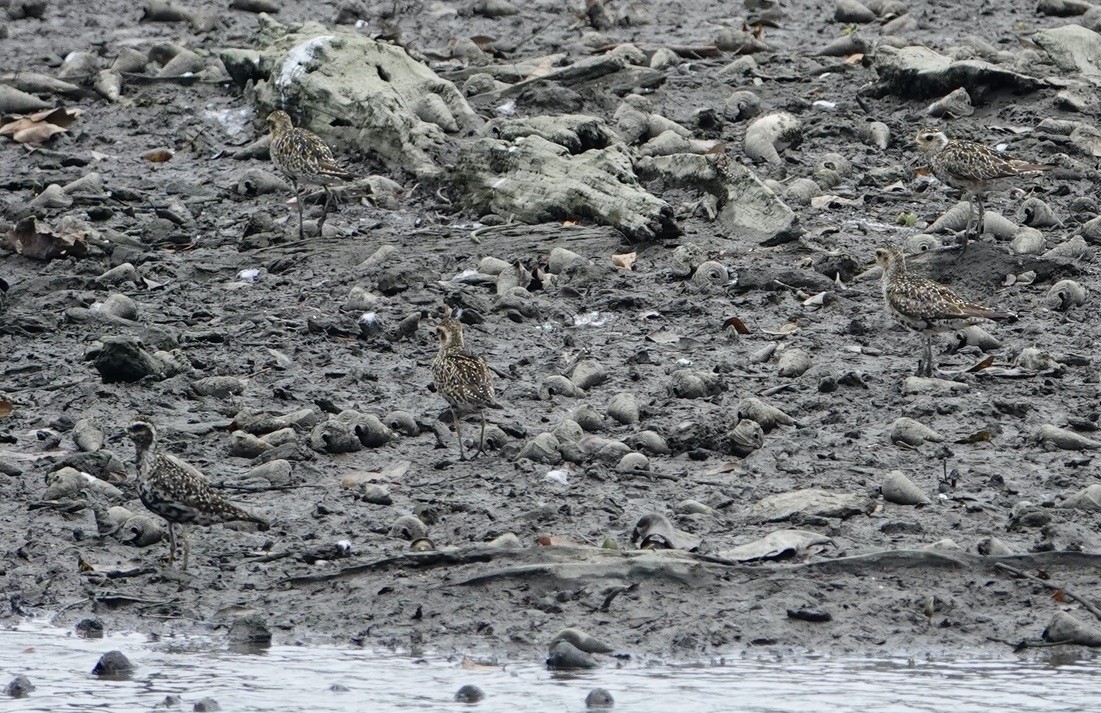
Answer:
[(294, 345)]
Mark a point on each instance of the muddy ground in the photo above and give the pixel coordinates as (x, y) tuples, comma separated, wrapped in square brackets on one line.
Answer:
[(291, 340)]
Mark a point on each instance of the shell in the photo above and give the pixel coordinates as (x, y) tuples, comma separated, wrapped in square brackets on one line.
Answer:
[(108, 84), (742, 105), (1064, 295), (278, 438), (492, 266), (558, 385), (953, 106), (507, 541), (433, 110), (852, 11), (633, 463), (711, 274), (130, 60), (69, 482), (801, 191), (976, 336), (765, 414), (693, 384), (110, 520), (53, 196), (955, 220), (246, 445), (659, 125), (1034, 359), (1027, 241), (746, 437), (87, 436), (992, 547), (568, 431), (1071, 250), (648, 442), (587, 417), (562, 260), (140, 531), (376, 494), (1064, 439), (409, 527), (876, 133), (827, 178), (921, 243), (793, 363), (897, 488), (516, 276), (607, 450), (334, 437), (544, 448), (910, 432), (1036, 214), (631, 123), (763, 354), (588, 373), (835, 162), (772, 133), (685, 260), (624, 408), (845, 46), (79, 65), (401, 422), (693, 507)]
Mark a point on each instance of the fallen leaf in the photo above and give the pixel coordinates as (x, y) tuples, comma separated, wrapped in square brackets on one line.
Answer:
[(43, 243), (625, 261), (987, 361), (40, 126), (854, 58), (545, 67), (716, 149), (471, 665), (977, 437), (5, 408), (160, 155), (484, 42), (728, 467), (925, 171), (359, 477), (1059, 595), (570, 223), (818, 300), (737, 324), (28, 650), (783, 330), (396, 470), (555, 541)]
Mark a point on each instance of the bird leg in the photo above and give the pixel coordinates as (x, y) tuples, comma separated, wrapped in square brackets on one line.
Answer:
[(324, 210), (482, 438), (928, 366), (980, 228), (298, 202), (186, 548), (171, 543), (458, 432), (970, 219)]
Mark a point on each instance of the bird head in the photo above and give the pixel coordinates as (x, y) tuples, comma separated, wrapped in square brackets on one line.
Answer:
[(890, 258), (931, 141), (142, 433), (449, 332), (279, 122)]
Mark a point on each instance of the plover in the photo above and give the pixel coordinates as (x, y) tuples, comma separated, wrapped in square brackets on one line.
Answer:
[(462, 378), (974, 169), (926, 306), (303, 158), (177, 491)]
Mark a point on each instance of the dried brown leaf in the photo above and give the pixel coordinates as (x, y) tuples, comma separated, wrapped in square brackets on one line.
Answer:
[(854, 58), (484, 42), (977, 437), (737, 324), (472, 665), (43, 243), (987, 361), (159, 155), (783, 330), (555, 541), (40, 126), (719, 148), (625, 261), (1059, 595), (5, 408)]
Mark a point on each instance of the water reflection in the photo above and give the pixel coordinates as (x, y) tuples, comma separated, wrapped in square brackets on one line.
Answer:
[(321, 679)]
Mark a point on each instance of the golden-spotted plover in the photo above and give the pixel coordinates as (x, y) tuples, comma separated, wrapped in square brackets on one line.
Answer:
[(974, 169), (462, 378), (177, 491), (926, 306), (303, 158)]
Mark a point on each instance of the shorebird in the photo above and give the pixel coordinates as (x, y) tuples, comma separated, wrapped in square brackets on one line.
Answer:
[(462, 378), (303, 158), (177, 491), (974, 169), (926, 306)]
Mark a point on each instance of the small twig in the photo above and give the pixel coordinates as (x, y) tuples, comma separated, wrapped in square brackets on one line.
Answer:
[(1049, 585)]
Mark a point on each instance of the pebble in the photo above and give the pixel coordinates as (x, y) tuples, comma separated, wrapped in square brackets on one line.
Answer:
[(599, 698), (250, 629), (113, 664), (469, 694), (19, 687), (206, 705), (564, 656)]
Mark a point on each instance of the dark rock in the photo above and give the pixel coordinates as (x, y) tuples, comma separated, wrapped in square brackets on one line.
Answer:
[(113, 664), (124, 359), (90, 628), (19, 687), (250, 629), (812, 615), (565, 656), (469, 694), (207, 705), (599, 698)]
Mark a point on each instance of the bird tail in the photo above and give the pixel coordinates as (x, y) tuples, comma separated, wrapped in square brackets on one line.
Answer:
[(1025, 167), (984, 313)]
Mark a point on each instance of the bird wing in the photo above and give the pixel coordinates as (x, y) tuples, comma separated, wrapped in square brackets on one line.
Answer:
[(928, 300), (184, 466), (475, 376), (975, 162), (319, 157)]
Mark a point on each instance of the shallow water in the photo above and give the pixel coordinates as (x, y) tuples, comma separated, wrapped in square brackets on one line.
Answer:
[(293, 678)]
